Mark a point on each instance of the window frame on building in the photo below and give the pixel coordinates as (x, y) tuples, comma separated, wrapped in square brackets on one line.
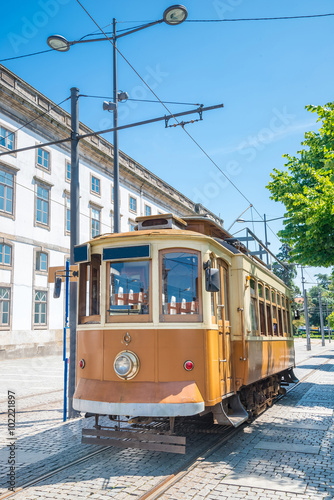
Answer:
[(8, 287), (68, 170), (147, 208), (67, 215), (41, 166), (3, 264), (40, 325), (94, 178), (40, 183), (132, 199), (8, 170), (39, 269), (95, 208), (8, 132)]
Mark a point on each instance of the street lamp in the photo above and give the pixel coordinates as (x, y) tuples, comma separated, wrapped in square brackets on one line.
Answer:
[(173, 16)]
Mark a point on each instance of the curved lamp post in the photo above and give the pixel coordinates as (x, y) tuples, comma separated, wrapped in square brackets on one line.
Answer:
[(173, 16)]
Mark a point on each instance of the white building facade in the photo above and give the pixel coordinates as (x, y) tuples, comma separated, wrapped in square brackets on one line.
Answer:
[(35, 210)]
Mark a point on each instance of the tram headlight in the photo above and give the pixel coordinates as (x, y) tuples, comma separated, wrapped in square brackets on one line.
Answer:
[(126, 365)]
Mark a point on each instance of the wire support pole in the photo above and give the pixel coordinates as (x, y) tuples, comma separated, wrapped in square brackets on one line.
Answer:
[(328, 326), (117, 217), (74, 240), (321, 321), (307, 322), (65, 358)]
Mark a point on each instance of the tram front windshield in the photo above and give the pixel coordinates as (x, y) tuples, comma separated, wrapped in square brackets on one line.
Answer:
[(129, 288)]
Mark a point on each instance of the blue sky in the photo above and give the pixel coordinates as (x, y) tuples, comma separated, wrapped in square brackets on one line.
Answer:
[(264, 72)]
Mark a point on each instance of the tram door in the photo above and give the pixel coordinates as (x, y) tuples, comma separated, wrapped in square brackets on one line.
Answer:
[(223, 315)]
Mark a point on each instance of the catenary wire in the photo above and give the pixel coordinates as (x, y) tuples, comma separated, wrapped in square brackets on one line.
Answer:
[(143, 100), (189, 135), (26, 55), (258, 18), (251, 19)]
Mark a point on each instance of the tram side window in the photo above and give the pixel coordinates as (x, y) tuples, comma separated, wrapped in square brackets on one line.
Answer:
[(89, 290), (179, 284), (268, 313), (283, 315), (288, 317), (253, 306), (274, 308), (261, 309), (128, 289)]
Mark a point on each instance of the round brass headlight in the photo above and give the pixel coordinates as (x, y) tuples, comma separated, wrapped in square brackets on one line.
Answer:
[(126, 365)]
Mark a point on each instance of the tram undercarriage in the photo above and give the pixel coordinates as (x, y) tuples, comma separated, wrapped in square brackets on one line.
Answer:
[(158, 434)]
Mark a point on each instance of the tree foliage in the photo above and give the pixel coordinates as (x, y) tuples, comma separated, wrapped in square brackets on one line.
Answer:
[(326, 287), (306, 189)]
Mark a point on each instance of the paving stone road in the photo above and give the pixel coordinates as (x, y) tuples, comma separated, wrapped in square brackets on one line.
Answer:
[(285, 453)]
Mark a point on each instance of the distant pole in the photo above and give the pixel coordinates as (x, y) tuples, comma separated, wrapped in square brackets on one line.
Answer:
[(117, 218), (266, 236), (321, 321), (74, 240), (307, 323), (329, 330)]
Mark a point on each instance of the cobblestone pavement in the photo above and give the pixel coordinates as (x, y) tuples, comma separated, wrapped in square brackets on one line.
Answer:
[(286, 453)]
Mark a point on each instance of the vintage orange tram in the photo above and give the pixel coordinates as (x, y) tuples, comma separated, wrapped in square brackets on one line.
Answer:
[(175, 320)]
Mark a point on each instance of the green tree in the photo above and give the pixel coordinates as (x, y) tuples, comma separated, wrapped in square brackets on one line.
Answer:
[(306, 189), (327, 297)]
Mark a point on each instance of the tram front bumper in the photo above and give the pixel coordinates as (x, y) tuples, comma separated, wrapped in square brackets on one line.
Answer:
[(138, 399)]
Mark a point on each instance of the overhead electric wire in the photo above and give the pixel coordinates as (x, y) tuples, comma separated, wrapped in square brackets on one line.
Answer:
[(183, 128), (250, 19), (26, 55), (278, 18), (144, 100)]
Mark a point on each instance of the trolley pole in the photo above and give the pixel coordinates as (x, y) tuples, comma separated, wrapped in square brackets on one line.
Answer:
[(74, 240), (307, 323), (329, 330), (321, 321)]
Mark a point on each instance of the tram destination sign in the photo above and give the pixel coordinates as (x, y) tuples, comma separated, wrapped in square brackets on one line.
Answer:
[(123, 253)]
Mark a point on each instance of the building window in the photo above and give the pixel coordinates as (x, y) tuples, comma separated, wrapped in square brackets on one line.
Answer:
[(148, 210), (6, 138), (4, 306), (42, 205), (67, 214), (68, 171), (5, 254), (132, 225), (40, 304), (43, 158), (95, 185), (96, 221), (6, 192), (41, 261), (132, 204)]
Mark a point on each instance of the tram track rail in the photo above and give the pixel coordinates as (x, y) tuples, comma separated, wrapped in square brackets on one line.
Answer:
[(164, 485)]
